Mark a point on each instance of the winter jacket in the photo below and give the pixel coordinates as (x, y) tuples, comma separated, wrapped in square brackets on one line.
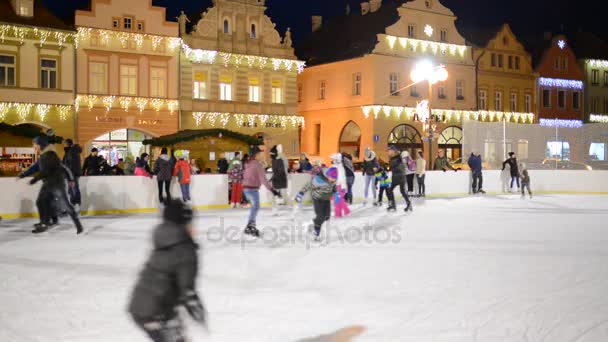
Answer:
[(254, 176), (320, 188), (397, 169), (525, 177), (182, 171), (163, 168), (51, 171), (305, 166), (369, 164), (169, 276), (92, 165), (235, 174), (222, 166), (420, 166), (442, 163), (512, 162), (475, 163), (406, 162), (383, 180), (348, 167), (142, 168), (71, 159), (279, 174)]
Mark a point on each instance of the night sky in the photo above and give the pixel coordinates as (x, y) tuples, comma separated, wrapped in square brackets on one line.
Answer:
[(527, 17)]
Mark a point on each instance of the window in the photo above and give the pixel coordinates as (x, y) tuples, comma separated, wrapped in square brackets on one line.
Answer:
[(254, 32), (226, 26), (595, 104), (528, 103), (322, 90), (128, 80), (48, 74), (517, 63), (115, 23), (561, 99), (444, 35), (254, 90), (225, 88), (510, 62), (483, 100), (546, 98), (493, 59), (513, 102), (300, 92), (595, 77), (7, 71), (559, 150), (498, 101), (597, 151), (277, 91), (98, 78), (140, 26), (394, 83), (411, 31), (357, 84), (500, 61), (460, 90), (199, 85), (414, 91), (158, 82), (127, 23), (557, 63), (565, 63), (605, 78), (441, 91)]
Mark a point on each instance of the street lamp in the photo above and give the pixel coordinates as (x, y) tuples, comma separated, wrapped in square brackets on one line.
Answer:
[(425, 71)]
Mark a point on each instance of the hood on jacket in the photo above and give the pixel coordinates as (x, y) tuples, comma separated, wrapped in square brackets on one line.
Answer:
[(370, 156), (164, 157)]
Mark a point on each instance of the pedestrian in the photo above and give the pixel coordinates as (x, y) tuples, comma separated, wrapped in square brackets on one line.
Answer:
[(163, 169), (421, 174), (305, 165), (410, 171), (71, 159), (168, 279), (384, 183), (222, 165), (182, 172), (141, 166), (322, 187), (442, 163), (253, 178), (340, 204), (349, 168), (398, 180), (369, 163), (53, 197), (525, 182), (279, 176), (513, 166), (476, 166), (92, 163), (194, 167), (235, 174)]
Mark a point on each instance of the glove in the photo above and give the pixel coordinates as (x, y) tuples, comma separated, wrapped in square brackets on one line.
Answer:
[(299, 197), (195, 307), (337, 197), (277, 193)]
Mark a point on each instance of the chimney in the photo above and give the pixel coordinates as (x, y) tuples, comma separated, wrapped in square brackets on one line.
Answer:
[(365, 6), (317, 22), (374, 5)]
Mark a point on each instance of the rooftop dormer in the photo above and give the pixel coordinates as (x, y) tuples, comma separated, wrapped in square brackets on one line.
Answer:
[(23, 8)]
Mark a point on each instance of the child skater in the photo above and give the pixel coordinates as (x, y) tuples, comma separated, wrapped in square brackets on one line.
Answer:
[(384, 183), (525, 182), (182, 172), (341, 207), (322, 188)]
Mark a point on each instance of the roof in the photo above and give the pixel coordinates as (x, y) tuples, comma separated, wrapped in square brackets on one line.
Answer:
[(348, 36), (192, 134), (42, 17)]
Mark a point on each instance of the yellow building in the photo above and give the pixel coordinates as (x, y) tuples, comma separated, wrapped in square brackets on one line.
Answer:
[(238, 73)]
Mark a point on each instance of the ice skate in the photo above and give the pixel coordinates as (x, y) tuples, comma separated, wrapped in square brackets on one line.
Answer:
[(391, 207), (252, 230), (409, 207), (379, 204), (481, 191), (40, 228), (375, 204)]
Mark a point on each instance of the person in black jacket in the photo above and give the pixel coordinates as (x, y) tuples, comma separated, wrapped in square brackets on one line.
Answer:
[(512, 162), (92, 164), (398, 173), (279, 176), (71, 159), (168, 279), (163, 169), (347, 161), (369, 164), (53, 197), (222, 165)]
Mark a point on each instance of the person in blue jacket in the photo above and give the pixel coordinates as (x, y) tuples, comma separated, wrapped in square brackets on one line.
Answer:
[(476, 165)]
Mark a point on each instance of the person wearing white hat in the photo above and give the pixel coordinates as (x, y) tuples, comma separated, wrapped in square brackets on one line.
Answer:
[(341, 207), (369, 164)]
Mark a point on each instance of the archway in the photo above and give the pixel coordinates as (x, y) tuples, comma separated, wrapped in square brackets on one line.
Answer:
[(125, 144), (450, 141), (406, 138), (350, 139)]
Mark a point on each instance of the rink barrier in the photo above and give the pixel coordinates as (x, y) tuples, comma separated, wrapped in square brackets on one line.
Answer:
[(132, 195)]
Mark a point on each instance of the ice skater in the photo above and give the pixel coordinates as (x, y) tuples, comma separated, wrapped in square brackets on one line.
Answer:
[(476, 166), (182, 172), (168, 279), (280, 166), (384, 183), (163, 169), (525, 182), (369, 163), (398, 180), (235, 174), (340, 204), (512, 162), (322, 187), (421, 174)]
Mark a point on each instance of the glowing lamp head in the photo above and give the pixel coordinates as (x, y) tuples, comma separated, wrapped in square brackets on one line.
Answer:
[(423, 71), (442, 74)]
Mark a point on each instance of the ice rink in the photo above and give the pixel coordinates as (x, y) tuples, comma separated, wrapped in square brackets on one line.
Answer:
[(488, 269)]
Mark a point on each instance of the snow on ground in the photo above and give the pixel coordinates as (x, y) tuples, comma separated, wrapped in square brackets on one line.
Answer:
[(467, 269)]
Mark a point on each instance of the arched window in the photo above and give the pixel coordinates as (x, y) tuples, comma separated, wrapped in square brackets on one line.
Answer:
[(406, 138), (450, 140), (254, 32), (226, 26), (350, 139)]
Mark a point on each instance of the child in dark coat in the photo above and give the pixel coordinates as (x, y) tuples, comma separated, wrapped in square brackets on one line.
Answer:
[(384, 183), (525, 182), (168, 279), (322, 187)]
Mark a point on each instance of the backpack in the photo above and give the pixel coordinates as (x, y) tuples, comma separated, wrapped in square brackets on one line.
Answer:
[(411, 164)]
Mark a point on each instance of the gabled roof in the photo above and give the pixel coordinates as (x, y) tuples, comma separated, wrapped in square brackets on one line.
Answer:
[(348, 36), (42, 17)]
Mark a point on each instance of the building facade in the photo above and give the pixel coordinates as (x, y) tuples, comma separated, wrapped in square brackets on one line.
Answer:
[(36, 68), (596, 90), (238, 73), (127, 72)]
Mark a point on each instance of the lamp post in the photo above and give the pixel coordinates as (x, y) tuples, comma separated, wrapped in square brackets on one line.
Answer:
[(425, 71)]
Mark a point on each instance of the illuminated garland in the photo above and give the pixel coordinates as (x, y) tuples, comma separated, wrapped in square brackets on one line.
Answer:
[(22, 33), (424, 45), (448, 114), (561, 123), (281, 121), (560, 83), (24, 110), (598, 118), (227, 58), (125, 103), (596, 63), (85, 33)]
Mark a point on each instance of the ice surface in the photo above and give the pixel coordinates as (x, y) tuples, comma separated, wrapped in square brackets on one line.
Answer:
[(469, 269)]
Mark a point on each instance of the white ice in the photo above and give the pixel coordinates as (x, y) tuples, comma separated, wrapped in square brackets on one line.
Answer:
[(468, 269)]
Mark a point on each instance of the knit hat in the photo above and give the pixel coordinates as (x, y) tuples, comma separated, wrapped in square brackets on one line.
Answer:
[(179, 154), (94, 150), (336, 157), (177, 212), (331, 173), (405, 154), (42, 141)]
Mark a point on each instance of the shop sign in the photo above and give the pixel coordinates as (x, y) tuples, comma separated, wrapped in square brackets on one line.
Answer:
[(107, 119)]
